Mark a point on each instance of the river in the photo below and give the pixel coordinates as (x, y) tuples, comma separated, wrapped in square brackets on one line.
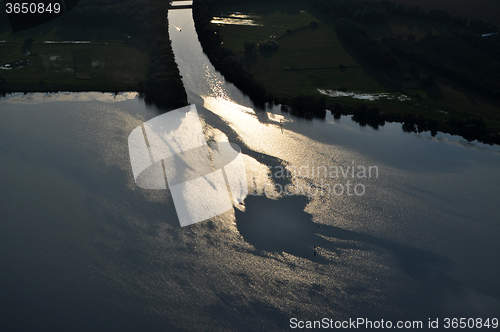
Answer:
[(83, 248)]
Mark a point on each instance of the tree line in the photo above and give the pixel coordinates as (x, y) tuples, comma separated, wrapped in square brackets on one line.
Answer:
[(163, 86), (471, 128)]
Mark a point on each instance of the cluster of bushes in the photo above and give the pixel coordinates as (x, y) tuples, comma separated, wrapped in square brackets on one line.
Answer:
[(471, 128), (419, 124), (305, 106), (373, 51), (488, 45), (451, 56), (362, 114)]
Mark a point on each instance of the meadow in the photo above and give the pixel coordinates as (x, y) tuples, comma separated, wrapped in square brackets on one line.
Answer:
[(71, 59), (308, 59)]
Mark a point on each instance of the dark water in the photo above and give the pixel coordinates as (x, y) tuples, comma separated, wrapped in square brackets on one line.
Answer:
[(82, 248)]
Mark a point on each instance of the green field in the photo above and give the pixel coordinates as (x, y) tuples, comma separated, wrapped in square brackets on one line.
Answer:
[(108, 62), (308, 58)]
